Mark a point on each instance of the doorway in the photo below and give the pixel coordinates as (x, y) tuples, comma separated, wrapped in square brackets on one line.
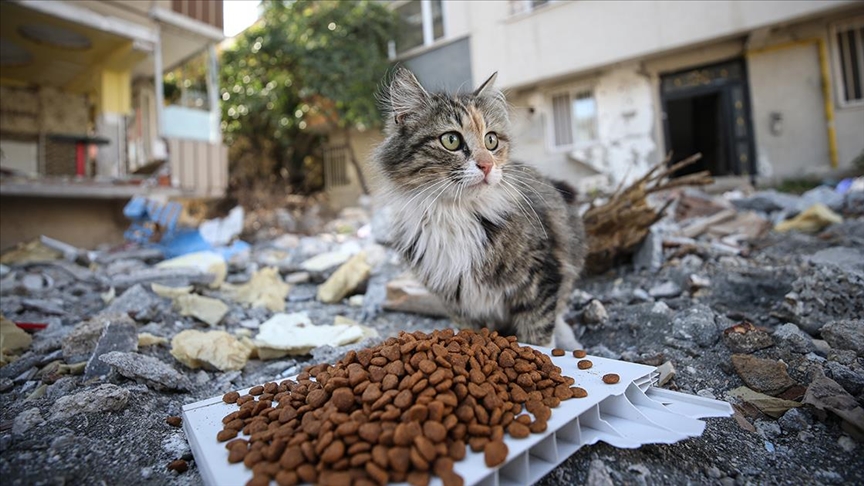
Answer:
[(706, 110)]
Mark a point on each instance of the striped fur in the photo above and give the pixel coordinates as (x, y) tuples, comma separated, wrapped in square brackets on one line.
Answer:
[(502, 250)]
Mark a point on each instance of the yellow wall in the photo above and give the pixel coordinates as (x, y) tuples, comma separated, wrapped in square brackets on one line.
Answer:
[(115, 91)]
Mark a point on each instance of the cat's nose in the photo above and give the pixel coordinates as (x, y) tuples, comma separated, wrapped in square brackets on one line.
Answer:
[(485, 165)]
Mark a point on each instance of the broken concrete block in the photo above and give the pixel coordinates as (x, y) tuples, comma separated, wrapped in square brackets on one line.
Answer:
[(650, 253), (773, 407), (27, 420), (763, 375), (696, 324), (814, 219), (205, 309), (211, 350), (265, 289), (405, 294), (12, 339), (294, 334), (845, 334), (80, 343), (147, 370), (102, 399), (345, 280), (138, 303), (120, 335), (325, 261)]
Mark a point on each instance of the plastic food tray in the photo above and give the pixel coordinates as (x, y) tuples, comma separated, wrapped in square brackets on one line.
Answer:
[(628, 414)]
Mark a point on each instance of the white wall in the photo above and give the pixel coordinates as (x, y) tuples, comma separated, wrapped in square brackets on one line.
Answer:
[(568, 37), (20, 156)]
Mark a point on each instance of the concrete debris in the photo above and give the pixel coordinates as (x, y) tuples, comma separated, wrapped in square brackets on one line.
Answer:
[(325, 261), (146, 339), (594, 313), (205, 309), (747, 224), (27, 420), (138, 303), (147, 370), (771, 406), (295, 335), (345, 280), (850, 379), (13, 340), (171, 292), (210, 350), (701, 225), (405, 294), (850, 259), (102, 399), (845, 334), (30, 252), (598, 474), (791, 336), (823, 293), (175, 277), (667, 372), (80, 343), (815, 218), (825, 395), (297, 278), (649, 255), (120, 335), (697, 282), (265, 289), (823, 195), (696, 324), (762, 375), (744, 337), (794, 421), (770, 201), (207, 262), (665, 290)]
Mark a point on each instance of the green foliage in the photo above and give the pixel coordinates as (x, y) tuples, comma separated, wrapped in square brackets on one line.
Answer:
[(304, 65)]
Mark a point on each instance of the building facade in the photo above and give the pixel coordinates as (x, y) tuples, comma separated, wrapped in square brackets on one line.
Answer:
[(601, 91), (100, 101)]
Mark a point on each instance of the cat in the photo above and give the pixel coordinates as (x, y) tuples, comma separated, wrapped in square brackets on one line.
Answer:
[(500, 244)]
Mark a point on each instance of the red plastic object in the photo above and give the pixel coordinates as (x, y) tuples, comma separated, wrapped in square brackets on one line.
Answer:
[(31, 326)]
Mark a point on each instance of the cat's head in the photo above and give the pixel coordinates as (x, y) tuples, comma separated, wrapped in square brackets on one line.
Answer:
[(458, 141)]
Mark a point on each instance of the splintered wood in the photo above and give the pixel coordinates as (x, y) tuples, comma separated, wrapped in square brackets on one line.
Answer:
[(616, 228)]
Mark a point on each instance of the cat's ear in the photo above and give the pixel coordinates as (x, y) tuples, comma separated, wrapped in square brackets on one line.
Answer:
[(487, 85), (406, 94)]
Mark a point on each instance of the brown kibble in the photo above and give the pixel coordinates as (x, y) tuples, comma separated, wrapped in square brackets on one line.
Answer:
[(434, 431), (287, 478), (333, 452), (226, 434), (557, 352), (611, 379), (399, 459), (256, 390), (316, 398), (230, 397), (174, 421), (457, 450), (518, 430), (495, 453), (343, 399), (180, 466), (237, 454), (584, 364), (579, 353), (578, 392), (538, 426), (377, 473)]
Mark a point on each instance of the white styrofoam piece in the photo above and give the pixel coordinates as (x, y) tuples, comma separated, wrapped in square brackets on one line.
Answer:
[(628, 414)]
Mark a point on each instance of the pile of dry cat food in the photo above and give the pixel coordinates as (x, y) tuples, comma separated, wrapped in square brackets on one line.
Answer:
[(400, 411)]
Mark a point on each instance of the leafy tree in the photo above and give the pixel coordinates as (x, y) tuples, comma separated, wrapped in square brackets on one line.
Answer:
[(305, 68)]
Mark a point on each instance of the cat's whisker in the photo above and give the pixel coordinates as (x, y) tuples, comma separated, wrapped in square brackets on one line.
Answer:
[(425, 189), (530, 206), (526, 185), (519, 205)]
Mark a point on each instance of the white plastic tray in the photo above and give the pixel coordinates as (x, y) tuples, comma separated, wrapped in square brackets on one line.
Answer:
[(627, 415)]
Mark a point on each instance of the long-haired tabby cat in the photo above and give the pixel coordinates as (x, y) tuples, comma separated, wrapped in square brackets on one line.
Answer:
[(497, 241)]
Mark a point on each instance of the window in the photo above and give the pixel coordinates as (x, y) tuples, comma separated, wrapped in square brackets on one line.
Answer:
[(525, 6), (849, 39), (421, 23), (336, 166), (574, 118)]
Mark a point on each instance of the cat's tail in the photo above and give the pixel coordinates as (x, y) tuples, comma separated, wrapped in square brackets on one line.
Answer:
[(567, 191)]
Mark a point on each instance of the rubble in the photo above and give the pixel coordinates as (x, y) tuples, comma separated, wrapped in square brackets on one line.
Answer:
[(80, 343), (594, 313), (696, 324), (295, 334), (845, 334), (792, 337), (206, 309), (814, 219), (265, 289), (205, 262), (146, 369), (13, 339), (345, 280), (406, 294), (824, 394), (744, 337), (119, 335), (771, 406), (210, 350), (101, 399), (762, 375)]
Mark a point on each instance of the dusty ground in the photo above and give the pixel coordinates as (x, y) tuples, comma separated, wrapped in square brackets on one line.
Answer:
[(43, 442)]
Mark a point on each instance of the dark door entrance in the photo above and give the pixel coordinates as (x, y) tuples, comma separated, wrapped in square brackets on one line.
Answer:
[(707, 110)]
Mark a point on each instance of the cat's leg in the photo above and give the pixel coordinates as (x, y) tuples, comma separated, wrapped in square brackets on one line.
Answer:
[(563, 336)]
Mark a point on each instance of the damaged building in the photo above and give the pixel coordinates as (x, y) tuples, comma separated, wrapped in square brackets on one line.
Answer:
[(601, 91), (102, 101)]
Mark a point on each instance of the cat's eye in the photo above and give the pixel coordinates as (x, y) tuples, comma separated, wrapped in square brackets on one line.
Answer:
[(451, 141), (491, 140)]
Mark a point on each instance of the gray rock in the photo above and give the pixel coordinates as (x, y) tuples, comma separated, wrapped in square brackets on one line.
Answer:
[(172, 277), (794, 421), (26, 420), (846, 443), (138, 303), (825, 394), (34, 282), (665, 290), (650, 253), (840, 256), (595, 313), (853, 203), (6, 384), (825, 195), (103, 398), (767, 429), (851, 380), (696, 324), (845, 334), (822, 348), (842, 356), (763, 375), (823, 294), (603, 352), (45, 306), (769, 201), (640, 295), (746, 338), (146, 369), (790, 336), (598, 475), (120, 335)]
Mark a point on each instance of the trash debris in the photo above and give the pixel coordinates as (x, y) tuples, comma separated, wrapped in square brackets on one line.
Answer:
[(222, 231), (210, 350), (205, 309), (30, 252), (814, 219), (295, 334), (406, 294), (265, 289), (345, 280), (204, 261), (12, 340)]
